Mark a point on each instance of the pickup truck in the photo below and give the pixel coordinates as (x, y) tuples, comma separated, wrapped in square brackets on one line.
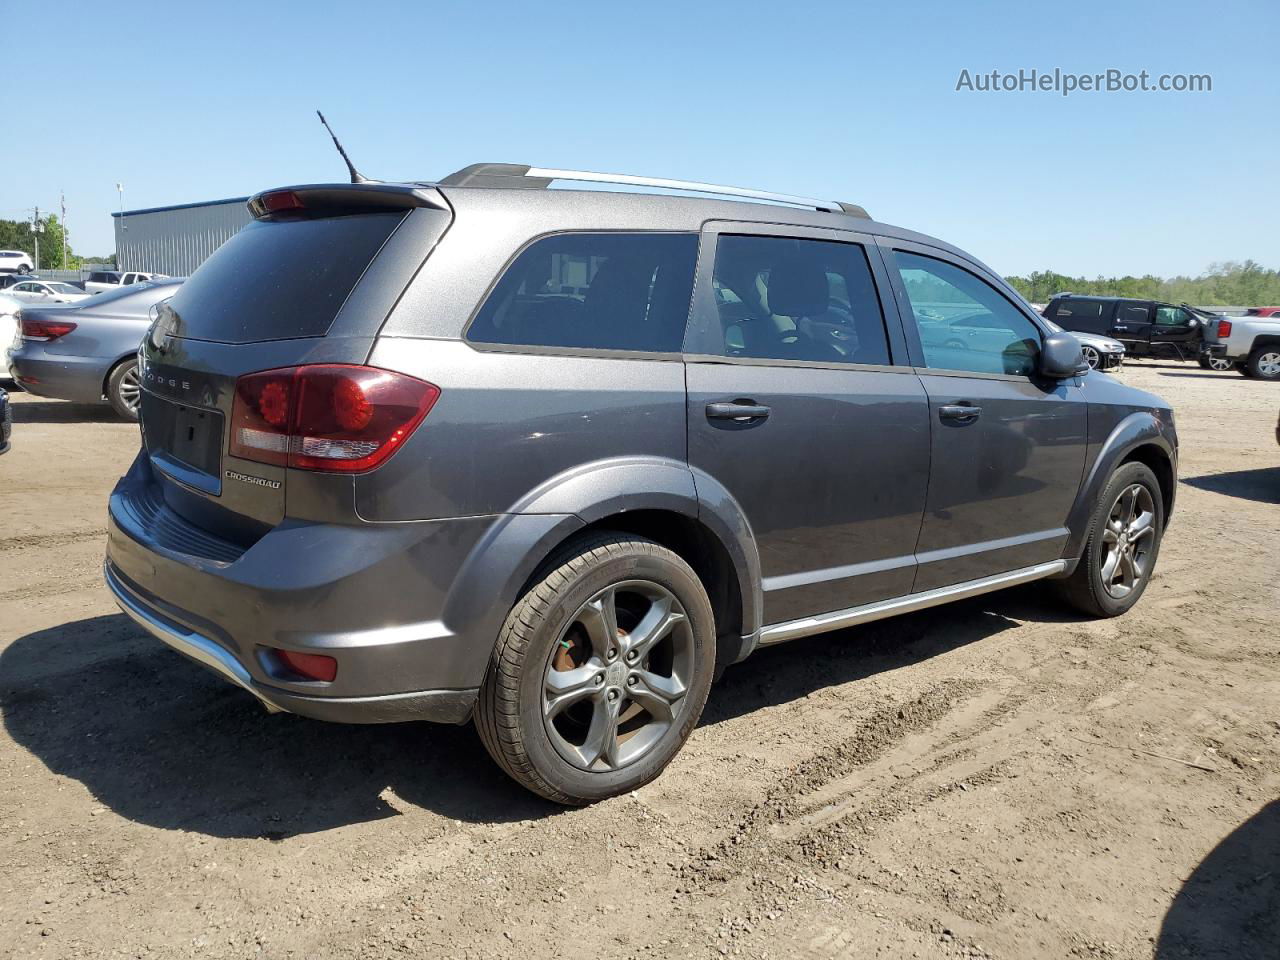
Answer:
[(1251, 343), (102, 280)]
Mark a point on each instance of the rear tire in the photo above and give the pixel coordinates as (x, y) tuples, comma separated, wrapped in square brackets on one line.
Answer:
[(124, 389), (643, 671), (24, 269), (1216, 363), (1122, 547), (1264, 363)]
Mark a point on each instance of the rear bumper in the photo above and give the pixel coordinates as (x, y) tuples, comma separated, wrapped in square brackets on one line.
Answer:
[(79, 379), (442, 706), (372, 596)]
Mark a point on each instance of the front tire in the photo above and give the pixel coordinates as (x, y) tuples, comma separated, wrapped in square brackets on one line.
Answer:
[(1091, 356), (1123, 545), (600, 672), (1264, 363), (124, 389)]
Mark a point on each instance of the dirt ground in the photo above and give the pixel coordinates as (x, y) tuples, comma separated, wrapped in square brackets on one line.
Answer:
[(995, 778)]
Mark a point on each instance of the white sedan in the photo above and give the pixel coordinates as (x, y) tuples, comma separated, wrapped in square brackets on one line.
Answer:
[(46, 291)]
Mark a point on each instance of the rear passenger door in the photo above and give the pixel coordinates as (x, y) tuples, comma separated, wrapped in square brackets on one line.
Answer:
[(802, 406), (1008, 446), (1132, 324)]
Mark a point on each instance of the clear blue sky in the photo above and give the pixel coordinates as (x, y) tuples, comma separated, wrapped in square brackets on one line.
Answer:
[(855, 101)]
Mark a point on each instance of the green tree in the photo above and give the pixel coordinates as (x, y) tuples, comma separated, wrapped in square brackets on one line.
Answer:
[(18, 235), (1224, 284)]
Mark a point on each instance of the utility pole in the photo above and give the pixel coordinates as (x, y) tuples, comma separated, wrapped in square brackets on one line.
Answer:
[(63, 195), (35, 235)]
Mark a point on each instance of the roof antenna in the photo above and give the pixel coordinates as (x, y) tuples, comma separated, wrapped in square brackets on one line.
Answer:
[(356, 176)]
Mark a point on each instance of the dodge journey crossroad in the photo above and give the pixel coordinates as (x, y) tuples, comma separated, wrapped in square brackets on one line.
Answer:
[(551, 459)]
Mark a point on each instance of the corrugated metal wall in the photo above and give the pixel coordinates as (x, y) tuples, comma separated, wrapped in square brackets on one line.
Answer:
[(176, 240)]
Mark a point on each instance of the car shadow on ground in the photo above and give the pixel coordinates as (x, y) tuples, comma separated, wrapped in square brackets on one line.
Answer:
[(792, 671), (1203, 374), (1229, 908), (63, 411), (1261, 484), (159, 740)]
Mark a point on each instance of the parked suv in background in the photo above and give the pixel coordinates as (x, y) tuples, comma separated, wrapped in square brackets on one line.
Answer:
[(1147, 328), (15, 261), (552, 458)]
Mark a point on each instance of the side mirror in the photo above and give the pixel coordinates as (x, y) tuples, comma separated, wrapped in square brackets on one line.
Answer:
[(1060, 357)]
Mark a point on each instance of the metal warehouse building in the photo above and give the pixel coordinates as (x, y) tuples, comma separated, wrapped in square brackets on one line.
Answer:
[(176, 240)]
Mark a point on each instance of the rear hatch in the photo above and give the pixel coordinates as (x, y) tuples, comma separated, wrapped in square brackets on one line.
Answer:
[(309, 281)]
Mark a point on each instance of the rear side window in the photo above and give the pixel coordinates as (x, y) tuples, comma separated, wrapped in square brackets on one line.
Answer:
[(1086, 315), (1129, 313), (606, 291), (280, 280)]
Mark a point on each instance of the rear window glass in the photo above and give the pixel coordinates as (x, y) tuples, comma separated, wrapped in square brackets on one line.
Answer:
[(1080, 309), (280, 280), (596, 290)]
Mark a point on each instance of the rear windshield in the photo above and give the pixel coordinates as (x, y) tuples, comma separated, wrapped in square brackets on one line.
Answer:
[(280, 280)]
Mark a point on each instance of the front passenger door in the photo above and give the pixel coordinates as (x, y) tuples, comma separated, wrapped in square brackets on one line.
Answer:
[(1007, 445), (1174, 328)]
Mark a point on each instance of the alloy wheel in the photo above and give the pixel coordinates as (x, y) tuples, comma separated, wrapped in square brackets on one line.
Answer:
[(1269, 364), (1220, 363), (130, 390), (1127, 541), (1091, 356), (617, 675)]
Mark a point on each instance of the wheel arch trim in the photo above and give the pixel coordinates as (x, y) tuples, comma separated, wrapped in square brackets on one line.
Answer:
[(1138, 430), (520, 540)]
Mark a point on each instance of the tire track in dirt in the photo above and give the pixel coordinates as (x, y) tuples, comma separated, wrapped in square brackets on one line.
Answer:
[(49, 540)]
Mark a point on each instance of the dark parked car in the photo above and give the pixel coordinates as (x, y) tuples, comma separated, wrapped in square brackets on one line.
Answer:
[(553, 458), (87, 351), (1147, 328)]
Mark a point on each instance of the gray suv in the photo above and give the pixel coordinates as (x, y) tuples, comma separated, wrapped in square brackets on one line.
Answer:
[(551, 459)]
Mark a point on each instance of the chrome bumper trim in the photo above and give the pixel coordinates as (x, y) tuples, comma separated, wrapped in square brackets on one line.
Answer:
[(193, 645), (792, 629)]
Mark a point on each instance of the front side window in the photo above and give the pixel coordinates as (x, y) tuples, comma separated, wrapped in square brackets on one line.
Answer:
[(781, 298), (604, 291), (1172, 317), (964, 322)]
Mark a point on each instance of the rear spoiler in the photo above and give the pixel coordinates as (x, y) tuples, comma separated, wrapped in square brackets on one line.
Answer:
[(342, 198)]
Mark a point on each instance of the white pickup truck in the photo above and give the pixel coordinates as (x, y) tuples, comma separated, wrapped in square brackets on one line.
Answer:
[(102, 280), (1251, 342)]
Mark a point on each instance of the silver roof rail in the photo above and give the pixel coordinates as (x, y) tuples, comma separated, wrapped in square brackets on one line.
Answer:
[(539, 178)]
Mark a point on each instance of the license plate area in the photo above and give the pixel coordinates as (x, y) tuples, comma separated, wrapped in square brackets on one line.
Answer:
[(184, 441)]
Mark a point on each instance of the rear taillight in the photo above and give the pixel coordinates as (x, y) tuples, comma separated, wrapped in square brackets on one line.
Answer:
[(1224, 328), (45, 329), (326, 416)]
